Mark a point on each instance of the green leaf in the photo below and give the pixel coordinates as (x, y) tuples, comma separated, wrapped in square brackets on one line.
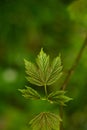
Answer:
[(45, 121), (55, 71), (30, 93), (58, 97), (43, 73)]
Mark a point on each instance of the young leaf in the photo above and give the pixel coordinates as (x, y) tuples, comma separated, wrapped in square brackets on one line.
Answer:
[(58, 97), (45, 121), (55, 71), (43, 73), (29, 93)]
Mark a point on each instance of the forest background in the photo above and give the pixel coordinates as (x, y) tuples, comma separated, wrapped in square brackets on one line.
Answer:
[(59, 26)]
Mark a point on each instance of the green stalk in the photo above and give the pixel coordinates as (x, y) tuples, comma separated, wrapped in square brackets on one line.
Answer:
[(45, 87)]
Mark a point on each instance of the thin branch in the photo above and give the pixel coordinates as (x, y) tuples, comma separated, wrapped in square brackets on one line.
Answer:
[(70, 72)]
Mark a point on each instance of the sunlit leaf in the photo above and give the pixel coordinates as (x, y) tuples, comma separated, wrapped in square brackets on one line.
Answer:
[(29, 93), (59, 97), (43, 73), (45, 121)]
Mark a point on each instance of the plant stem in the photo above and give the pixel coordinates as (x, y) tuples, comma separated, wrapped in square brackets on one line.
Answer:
[(72, 69), (45, 87), (70, 72), (61, 115)]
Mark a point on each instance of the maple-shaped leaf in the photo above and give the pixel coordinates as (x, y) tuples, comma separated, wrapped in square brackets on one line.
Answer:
[(45, 121), (30, 93), (59, 97), (43, 73)]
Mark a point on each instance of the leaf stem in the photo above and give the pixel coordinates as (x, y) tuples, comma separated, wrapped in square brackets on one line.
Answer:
[(45, 87)]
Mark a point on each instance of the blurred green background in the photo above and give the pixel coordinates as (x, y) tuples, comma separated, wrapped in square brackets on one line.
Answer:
[(59, 26)]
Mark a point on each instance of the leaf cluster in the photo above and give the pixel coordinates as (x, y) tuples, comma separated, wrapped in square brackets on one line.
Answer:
[(44, 73), (58, 97), (41, 74)]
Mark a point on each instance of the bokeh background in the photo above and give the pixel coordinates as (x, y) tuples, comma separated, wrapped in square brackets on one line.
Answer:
[(59, 26)]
